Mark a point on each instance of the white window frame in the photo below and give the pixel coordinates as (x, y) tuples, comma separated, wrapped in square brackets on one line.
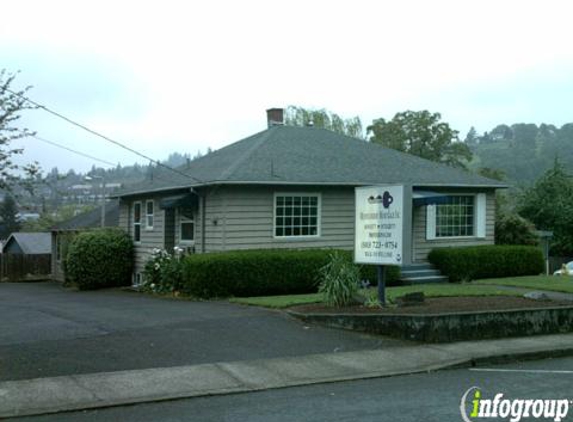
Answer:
[(318, 215), (138, 223), (148, 216), (480, 202), (182, 219)]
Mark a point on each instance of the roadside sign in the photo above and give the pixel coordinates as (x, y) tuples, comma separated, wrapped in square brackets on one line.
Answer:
[(379, 225)]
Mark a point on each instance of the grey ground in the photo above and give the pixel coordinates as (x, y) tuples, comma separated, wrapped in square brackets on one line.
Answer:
[(49, 331), (220, 348), (430, 397)]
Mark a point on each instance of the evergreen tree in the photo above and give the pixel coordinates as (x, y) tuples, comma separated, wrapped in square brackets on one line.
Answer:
[(8, 214)]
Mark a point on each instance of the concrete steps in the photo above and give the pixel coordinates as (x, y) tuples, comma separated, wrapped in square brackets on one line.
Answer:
[(421, 274)]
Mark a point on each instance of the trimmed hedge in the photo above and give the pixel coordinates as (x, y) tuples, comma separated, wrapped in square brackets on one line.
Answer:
[(491, 261), (100, 258), (261, 272)]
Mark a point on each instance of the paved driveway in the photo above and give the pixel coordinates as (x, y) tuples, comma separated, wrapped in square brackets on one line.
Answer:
[(48, 331)]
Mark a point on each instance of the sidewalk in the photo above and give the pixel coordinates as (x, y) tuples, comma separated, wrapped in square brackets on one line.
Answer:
[(51, 395)]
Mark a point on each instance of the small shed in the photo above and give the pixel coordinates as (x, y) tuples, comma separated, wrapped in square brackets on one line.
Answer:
[(26, 257), (28, 244)]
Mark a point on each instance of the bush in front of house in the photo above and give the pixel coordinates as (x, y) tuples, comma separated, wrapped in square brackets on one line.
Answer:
[(163, 272), (490, 261), (100, 258), (261, 272), (511, 229)]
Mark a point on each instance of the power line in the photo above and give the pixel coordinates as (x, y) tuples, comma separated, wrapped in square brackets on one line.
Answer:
[(73, 150), (152, 176), (93, 132)]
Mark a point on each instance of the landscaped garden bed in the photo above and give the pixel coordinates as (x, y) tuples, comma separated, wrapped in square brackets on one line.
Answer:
[(450, 312), (440, 305), (449, 319)]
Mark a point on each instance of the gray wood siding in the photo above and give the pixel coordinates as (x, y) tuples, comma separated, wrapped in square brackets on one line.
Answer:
[(422, 246), (242, 218)]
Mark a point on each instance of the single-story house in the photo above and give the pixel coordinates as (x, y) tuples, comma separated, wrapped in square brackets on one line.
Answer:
[(62, 233), (293, 187), (33, 243)]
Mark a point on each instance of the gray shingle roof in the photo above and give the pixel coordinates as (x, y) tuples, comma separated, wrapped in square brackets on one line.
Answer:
[(92, 219), (308, 155), (32, 243)]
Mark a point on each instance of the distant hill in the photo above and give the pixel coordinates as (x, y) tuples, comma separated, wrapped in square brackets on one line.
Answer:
[(522, 151)]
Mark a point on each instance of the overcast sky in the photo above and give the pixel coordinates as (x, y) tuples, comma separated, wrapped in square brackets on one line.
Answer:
[(183, 76)]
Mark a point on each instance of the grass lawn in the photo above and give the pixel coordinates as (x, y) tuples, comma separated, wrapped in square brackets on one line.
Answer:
[(552, 283), (430, 290)]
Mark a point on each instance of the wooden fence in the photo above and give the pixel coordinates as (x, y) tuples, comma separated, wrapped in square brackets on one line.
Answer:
[(20, 267)]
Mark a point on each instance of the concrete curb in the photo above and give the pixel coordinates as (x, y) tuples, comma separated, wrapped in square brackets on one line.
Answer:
[(78, 392)]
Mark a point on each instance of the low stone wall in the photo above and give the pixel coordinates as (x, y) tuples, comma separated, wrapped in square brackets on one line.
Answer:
[(448, 327)]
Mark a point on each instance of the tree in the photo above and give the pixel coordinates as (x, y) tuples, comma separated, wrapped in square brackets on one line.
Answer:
[(9, 216), (548, 205), (421, 133), (501, 133), (511, 229), (48, 220), (471, 137), (12, 103), (322, 118), (490, 173)]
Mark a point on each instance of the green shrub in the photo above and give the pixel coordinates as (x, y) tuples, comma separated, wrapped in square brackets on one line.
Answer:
[(163, 272), (491, 261), (393, 274), (339, 280), (100, 258), (261, 272), (511, 229)]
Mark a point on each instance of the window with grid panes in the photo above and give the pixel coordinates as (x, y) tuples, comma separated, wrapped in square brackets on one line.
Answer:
[(297, 215), (456, 218)]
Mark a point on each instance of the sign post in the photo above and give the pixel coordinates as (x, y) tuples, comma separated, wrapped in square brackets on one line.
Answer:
[(379, 229)]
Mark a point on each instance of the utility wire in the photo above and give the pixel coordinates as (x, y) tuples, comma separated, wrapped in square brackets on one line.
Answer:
[(152, 176), (93, 132), (74, 151)]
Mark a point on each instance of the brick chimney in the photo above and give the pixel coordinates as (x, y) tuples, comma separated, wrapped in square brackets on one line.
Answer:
[(275, 117)]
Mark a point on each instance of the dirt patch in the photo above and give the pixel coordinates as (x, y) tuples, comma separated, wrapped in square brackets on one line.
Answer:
[(440, 305)]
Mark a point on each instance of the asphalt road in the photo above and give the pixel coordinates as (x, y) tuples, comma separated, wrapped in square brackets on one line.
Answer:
[(415, 398), (50, 331)]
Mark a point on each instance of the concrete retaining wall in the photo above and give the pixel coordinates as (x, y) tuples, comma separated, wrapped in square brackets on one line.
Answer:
[(441, 328)]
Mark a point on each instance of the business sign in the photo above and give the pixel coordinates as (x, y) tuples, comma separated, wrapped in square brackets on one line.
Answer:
[(379, 225)]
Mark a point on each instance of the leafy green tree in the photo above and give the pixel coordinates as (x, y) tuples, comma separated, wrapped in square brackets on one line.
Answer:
[(423, 134), (322, 118), (11, 105), (490, 173), (511, 229), (549, 205), (50, 219), (8, 215), (471, 137), (525, 135), (501, 133)]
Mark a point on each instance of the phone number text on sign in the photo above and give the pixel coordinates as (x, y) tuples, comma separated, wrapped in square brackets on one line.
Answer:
[(379, 225)]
